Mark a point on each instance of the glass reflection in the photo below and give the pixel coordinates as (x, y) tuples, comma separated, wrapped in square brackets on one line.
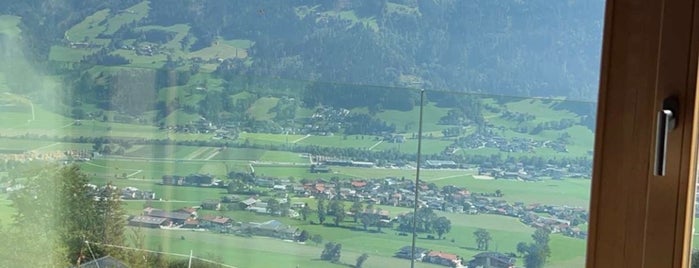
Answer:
[(213, 134)]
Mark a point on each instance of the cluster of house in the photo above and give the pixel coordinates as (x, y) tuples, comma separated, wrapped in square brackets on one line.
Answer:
[(199, 180), (394, 138), (22, 156), (452, 199), (516, 144), (488, 259), (188, 218), (325, 121), (257, 205), (82, 45), (133, 193), (201, 125), (332, 161), (518, 171), (271, 228), (323, 162)]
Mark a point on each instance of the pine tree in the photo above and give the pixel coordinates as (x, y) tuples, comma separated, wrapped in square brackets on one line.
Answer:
[(58, 214), (321, 211)]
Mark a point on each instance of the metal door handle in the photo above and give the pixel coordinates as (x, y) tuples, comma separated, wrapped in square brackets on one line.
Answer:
[(666, 121)]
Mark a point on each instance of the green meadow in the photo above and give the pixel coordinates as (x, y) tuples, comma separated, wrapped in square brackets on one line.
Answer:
[(259, 251), (351, 141), (8, 25), (154, 170), (6, 211), (261, 109), (570, 192), (506, 233), (268, 138), (167, 151)]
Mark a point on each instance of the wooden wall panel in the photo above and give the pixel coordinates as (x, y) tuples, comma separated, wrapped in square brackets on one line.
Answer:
[(635, 217)]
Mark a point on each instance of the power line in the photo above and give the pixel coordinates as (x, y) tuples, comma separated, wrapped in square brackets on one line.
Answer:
[(92, 253), (164, 253)]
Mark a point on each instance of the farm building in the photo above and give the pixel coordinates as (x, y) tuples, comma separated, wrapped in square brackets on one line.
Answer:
[(147, 221)]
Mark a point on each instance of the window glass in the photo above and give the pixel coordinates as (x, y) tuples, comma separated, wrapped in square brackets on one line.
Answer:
[(298, 133)]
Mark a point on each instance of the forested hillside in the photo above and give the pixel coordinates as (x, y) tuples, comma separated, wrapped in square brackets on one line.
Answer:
[(522, 48)]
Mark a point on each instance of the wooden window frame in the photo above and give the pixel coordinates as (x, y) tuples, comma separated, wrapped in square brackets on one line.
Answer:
[(637, 219)]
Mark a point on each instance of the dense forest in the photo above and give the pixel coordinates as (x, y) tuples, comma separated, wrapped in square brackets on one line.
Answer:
[(521, 48)]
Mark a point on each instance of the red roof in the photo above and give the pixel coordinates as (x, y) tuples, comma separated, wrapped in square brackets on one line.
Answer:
[(443, 255), (216, 219), (320, 187), (358, 184), (189, 210)]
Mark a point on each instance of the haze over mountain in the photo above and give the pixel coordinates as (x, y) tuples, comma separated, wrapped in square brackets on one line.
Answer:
[(509, 47)]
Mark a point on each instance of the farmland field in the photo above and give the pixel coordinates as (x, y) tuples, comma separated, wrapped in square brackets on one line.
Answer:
[(180, 29), (89, 28), (8, 25), (507, 232), (239, 154), (166, 151), (571, 192), (154, 61), (407, 121), (351, 141), (267, 138), (219, 50), (261, 109), (66, 54), (429, 146), (143, 165), (281, 156), (258, 251), (153, 169), (6, 211)]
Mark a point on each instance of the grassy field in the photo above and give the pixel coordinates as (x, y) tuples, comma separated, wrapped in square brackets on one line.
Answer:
[(153, 170), (17, 144), (266, 138), (133, 13), (407, 122), (107, 22), (541, 109), (352, 141), (429, 146), (239, 43), (571, 192), (506, 232), (89, 28), (8, 25), (6, 211), (151, 62), (350, 16), (181, 118), (219, 50), (167, 151), (174, 194), (239, 154), (259, 251), (180, 29), (66, 54), (39, 122), (282, 156), (261, 109)]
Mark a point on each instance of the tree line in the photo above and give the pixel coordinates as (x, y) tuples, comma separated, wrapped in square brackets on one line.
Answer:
[(63, 221)]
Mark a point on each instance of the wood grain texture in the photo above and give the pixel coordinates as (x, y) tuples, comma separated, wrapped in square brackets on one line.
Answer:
[(637, 219)]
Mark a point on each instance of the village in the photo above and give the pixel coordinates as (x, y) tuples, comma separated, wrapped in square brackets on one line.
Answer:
[(384, 192)]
